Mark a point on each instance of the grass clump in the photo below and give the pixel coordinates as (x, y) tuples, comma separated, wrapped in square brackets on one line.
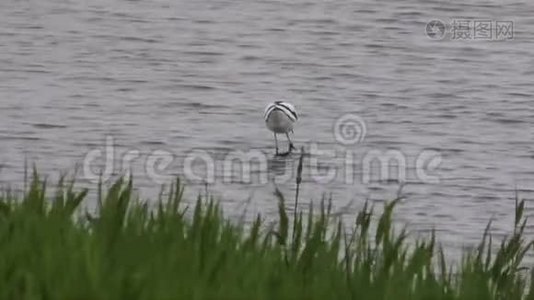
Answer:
[(50, 249)]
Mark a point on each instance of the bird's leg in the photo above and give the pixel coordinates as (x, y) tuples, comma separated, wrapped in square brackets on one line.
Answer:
[(276, 143), (291, 147)]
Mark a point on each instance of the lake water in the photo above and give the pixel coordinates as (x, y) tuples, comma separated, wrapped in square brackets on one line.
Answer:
[(191, 79)]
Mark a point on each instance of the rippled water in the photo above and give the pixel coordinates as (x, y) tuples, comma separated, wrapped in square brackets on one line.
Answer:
[(180, 76)]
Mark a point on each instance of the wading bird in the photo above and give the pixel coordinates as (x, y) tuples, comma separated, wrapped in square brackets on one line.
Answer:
[(279, 118)]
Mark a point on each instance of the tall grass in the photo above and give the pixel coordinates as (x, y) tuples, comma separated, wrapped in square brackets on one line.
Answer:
[(51, 249)]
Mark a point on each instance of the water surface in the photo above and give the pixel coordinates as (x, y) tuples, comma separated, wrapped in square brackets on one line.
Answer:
[(183, 76)]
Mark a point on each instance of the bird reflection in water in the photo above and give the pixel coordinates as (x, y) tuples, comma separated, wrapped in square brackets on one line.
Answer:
[(280, 168)]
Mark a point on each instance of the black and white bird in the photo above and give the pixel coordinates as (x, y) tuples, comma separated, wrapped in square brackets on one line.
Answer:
[(279, 118)]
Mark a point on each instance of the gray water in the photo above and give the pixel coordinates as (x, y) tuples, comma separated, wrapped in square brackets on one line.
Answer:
[(183, 76)]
